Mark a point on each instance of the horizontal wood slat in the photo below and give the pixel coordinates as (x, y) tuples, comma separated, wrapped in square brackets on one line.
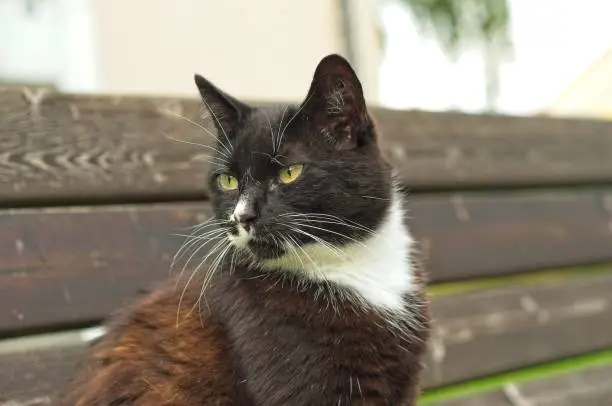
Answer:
[(37, 378), (483, 333), (487, 234), (74, 265), (56, 146), (476, 334), (588, 387)]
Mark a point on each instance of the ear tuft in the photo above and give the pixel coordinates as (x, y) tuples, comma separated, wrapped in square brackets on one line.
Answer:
[(335, 103), (225, 110)]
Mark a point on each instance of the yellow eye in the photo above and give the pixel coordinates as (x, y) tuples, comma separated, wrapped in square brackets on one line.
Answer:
[(227, 182), (290, 173)]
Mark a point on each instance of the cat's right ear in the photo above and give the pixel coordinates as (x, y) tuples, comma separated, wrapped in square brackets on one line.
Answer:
[(225, 110)]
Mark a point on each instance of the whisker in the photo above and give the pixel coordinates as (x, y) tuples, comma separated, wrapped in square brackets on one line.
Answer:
[(335, 222), (319, 240), (376, 198), (212, 270), (195, 271), (293, 118), (270, 126), (201, 127), (334, 232), (275, 148), (229, 143), (192, 238), (328, 216), (197, 144), (208, 240)]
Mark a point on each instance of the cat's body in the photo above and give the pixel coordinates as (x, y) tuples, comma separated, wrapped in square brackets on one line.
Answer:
[(311, 297)]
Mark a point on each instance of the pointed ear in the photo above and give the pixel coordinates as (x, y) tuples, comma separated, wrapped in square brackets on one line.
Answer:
[(335, 103), (225, 111)]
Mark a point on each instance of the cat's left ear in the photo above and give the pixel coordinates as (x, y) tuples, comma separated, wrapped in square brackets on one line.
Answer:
[(225, 110), (335, 103)]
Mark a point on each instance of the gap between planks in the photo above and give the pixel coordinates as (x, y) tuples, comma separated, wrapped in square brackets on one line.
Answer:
[(507, 381)]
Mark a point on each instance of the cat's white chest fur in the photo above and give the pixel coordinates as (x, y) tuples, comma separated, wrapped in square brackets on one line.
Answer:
[(379, 269)]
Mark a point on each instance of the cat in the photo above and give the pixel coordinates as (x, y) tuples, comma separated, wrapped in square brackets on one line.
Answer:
[(313, 296)]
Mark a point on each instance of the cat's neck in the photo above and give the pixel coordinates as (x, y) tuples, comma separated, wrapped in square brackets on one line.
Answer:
[(378, 269)]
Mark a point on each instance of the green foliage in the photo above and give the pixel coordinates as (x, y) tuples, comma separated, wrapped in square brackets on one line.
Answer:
[(463, 23)]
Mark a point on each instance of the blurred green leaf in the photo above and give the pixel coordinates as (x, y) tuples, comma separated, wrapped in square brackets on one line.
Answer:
[(462, 23)]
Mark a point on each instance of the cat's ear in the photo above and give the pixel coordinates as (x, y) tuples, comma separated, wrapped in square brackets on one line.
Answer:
[(225, 111), (335, 103)]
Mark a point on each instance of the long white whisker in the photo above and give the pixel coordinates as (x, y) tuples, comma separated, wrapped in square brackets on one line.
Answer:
[(208, 240), (335, 222), (328, 216), (275, 147), (195, 271), (322, 242), (197, 144), (229, 143), (293, 118), (206, 130), (212, 271), (270, 126), (332, 232), (192, 239)]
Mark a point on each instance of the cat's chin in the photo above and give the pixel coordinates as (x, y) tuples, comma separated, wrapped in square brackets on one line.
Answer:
[(263, 250)]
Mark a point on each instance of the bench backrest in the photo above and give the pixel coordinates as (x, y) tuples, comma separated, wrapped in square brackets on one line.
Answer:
[(91, 192)]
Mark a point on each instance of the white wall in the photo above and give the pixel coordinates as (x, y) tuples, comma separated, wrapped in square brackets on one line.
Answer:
[(50, 42), (27, 47), (253, 49), (261, 50)]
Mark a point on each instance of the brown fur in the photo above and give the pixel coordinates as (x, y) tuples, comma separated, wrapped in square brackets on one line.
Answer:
[(253, 340)]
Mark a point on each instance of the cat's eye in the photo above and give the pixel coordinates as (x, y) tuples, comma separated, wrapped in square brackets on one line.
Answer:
[(290, 173), (227, 182)]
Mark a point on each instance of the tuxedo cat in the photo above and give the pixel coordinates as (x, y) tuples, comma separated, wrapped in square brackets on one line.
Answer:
[(306, 292)]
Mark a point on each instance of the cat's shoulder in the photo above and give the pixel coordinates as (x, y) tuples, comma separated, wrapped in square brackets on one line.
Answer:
[(155, 350)]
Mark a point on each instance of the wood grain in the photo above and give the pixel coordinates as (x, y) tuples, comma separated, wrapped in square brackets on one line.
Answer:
[(60, 147), (481, 333), (74, 265), (486, 234), (487, 332), (72, 148), (589, 387)]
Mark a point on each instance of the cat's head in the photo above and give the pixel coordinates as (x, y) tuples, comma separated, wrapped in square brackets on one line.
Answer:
[(292, 178)]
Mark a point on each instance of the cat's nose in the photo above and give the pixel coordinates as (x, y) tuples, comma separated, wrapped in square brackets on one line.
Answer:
[(245, 218)]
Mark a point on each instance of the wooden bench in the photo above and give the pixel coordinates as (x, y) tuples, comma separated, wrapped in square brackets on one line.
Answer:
[(513, 216)]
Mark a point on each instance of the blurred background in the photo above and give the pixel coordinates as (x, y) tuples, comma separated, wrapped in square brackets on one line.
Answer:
[(520, 57)]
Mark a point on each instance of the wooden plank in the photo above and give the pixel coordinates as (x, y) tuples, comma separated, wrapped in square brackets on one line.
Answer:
[(37, 377), (589, 387), (58, 146), (85, 147), (454, 150), (74, 265), (477, 334), (482, 333), (485, 234)]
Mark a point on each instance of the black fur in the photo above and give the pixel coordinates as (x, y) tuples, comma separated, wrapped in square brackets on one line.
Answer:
[(330, 133)]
